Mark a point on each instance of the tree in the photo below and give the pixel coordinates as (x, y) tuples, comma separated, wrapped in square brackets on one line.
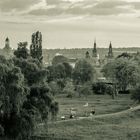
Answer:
[(125, 55), (13, 93), (135, 94), (59, 70), (83, 72), (41, 98), (36, 46), (68, 69), (33, 72), (69, 89), (22, 51), (84, 89), (25, 96), (59, 59), (123, 72)]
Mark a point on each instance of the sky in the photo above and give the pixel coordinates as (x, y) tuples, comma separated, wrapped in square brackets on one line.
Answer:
[(71, 23)]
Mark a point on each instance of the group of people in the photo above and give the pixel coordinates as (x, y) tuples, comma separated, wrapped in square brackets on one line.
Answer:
[(73, 111)]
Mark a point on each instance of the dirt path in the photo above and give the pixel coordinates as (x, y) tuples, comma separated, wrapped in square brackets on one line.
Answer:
[(100, 116)]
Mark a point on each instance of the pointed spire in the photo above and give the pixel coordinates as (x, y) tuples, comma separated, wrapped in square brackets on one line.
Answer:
[(95, 49), (110, 45), (87, 55), (7, 47), (7, 39), (110, 52), (95, 43)]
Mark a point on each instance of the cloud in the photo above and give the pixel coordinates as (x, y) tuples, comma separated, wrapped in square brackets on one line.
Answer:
[(48, 12), (69, 7), (86, 7), (111, 4), (56, 2), (9, 5), (136, 5)]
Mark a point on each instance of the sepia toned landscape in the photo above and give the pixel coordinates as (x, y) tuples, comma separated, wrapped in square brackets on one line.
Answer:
[(69, 70)]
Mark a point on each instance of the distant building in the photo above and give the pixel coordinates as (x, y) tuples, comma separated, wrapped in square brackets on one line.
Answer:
[(94, 51), (110, 52), (60, 58), (7, 50), (95, 59), (110, 56), (7, 47), (87, 55), (72, 61)]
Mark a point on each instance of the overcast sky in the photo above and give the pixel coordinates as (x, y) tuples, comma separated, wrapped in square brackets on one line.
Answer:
[(71, 23)]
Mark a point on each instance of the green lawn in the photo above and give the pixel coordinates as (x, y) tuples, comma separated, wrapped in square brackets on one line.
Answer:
[(103, 104), (123, 126)]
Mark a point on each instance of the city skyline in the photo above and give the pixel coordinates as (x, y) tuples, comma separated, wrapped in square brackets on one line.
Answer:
[(71, 23)]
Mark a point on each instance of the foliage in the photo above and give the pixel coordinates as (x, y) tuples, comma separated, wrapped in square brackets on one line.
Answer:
[(1, 131), (24, 97), (135, 94), (99, 88), (54, 109), (83, 72), (122, 71), (69, 89), (13, 94), (32, 70), (59, 71), (50, 74), (40, 98), (85, 89), (22, 51), (125, 55), (36, 46), (59, 59), (68, 69), (54, 88)]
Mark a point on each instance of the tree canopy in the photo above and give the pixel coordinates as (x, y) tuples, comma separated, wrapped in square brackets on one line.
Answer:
[(122, 71), (83, 72)]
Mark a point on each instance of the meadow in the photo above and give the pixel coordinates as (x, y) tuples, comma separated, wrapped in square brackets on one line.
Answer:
[(113, 119)]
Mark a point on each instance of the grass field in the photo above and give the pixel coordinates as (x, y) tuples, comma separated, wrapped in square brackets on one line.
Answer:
[(103, 104), (118, 126)]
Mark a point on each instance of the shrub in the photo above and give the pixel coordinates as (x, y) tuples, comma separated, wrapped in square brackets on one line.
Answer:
[(1, 131), (85, 89), (99, 88), (135, 94)]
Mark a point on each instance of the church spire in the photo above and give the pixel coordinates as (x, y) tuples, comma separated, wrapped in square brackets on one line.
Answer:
[(94, 54), (110, 52), (7, 48)]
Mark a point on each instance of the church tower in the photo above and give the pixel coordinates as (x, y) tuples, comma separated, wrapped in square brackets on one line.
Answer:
[(110, 52), (7, 45), (94, 51), (87, 55)]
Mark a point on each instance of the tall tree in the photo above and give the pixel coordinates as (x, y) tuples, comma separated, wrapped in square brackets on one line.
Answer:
[(122, 71), (83, 72), (22, 51)]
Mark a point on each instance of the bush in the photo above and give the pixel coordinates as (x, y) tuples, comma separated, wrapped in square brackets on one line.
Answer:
[(1, 131), (124, 92), (69, 94), (69, 89), (85, 89), (99, 88), (135, 94)]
